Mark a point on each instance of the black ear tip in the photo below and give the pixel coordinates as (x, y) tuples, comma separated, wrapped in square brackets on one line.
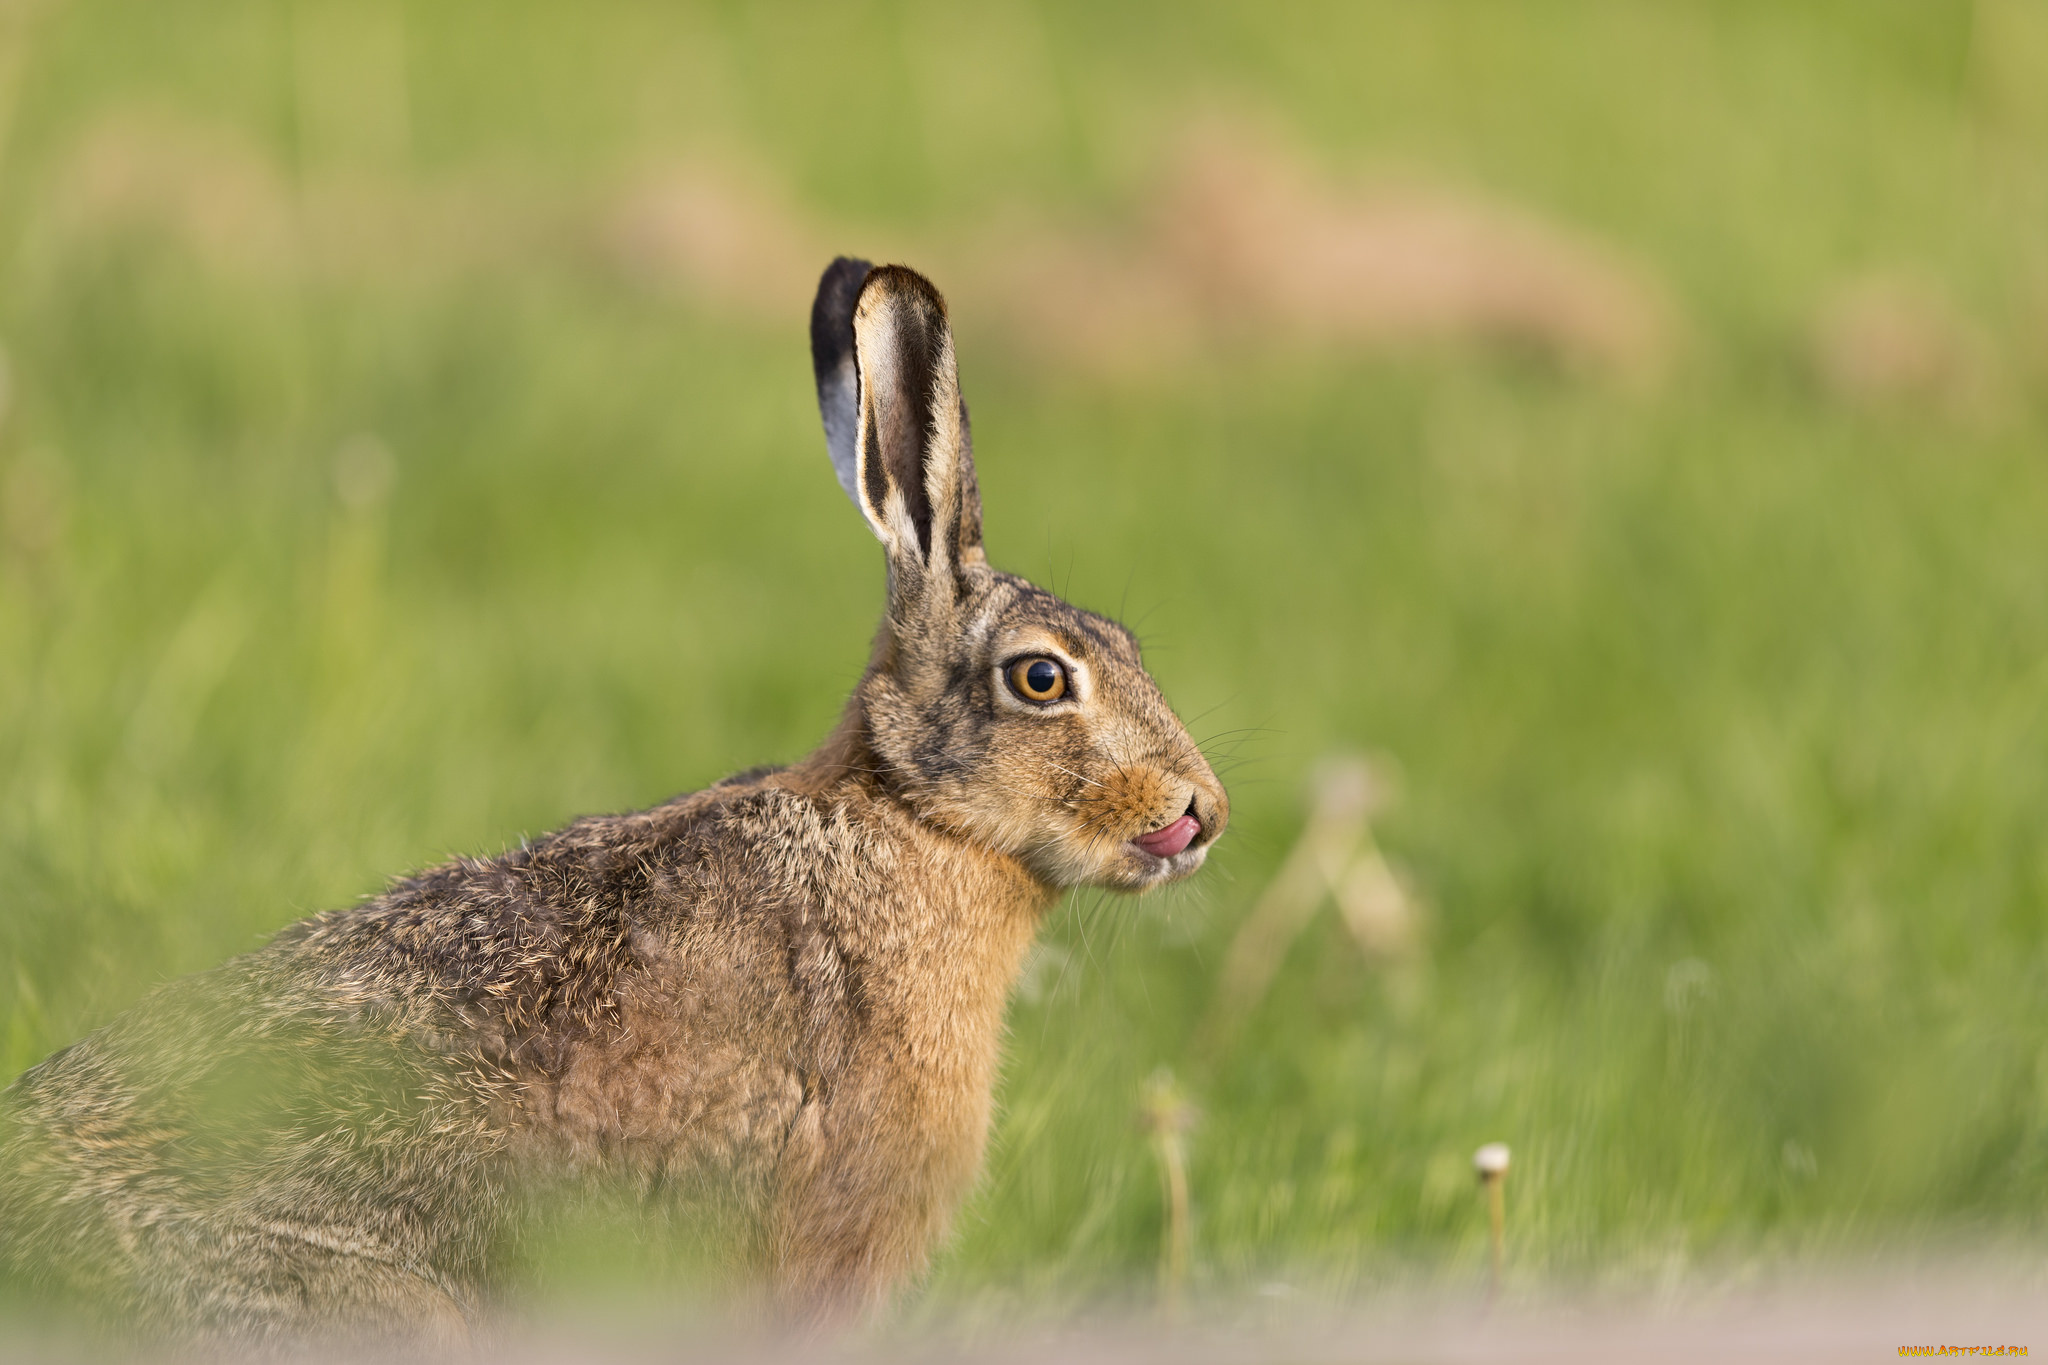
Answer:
[(842, 281), (832, 310)]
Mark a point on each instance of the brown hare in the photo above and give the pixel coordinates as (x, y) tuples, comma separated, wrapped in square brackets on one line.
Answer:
[(788, 988)]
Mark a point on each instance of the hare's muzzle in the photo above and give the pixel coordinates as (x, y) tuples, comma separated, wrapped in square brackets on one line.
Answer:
[(1169, 840)]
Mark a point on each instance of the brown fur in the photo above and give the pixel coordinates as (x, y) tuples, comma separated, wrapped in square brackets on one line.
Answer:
[(787, 988)]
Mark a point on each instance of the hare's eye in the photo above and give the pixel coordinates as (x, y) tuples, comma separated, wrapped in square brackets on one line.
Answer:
[(1038, 679)]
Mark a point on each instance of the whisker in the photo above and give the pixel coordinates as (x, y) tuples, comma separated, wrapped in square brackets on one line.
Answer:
[(1245, 730), (1200, 715), (1076, 776)]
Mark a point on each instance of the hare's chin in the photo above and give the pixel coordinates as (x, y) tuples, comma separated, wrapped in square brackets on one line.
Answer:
[(1153, 870)]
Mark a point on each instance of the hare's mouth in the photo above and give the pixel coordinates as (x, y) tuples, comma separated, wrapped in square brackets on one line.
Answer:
[(1170, 840)]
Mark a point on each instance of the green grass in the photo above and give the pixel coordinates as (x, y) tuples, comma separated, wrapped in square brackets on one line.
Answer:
[(1721, 707)]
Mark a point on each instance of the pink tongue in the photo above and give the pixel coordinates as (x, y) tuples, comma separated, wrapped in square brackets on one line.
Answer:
[(1164, 843)]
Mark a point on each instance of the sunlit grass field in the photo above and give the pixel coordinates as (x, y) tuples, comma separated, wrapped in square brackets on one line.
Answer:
[(361, 506)]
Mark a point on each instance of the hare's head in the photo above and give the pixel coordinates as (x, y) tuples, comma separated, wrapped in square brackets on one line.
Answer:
[(993, 707)]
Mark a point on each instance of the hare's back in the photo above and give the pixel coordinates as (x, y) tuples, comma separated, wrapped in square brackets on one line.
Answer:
[(194, 1159), (658, 988)]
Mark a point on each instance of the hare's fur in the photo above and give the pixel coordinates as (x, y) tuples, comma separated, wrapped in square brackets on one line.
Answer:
[(782, 995)]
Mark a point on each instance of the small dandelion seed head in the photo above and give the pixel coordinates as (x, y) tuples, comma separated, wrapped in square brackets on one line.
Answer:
[(1491, 1160)]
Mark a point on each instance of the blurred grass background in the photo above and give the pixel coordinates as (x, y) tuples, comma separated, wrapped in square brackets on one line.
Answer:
[(408, 444)]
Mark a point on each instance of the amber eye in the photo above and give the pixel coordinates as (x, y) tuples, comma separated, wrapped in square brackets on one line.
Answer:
[(1039, 679)]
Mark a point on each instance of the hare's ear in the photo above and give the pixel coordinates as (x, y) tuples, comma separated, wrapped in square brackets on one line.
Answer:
[(832, 361), (969, 537), (916, 475)]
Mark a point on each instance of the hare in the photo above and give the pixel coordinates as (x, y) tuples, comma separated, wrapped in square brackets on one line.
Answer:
[(788, 988)]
